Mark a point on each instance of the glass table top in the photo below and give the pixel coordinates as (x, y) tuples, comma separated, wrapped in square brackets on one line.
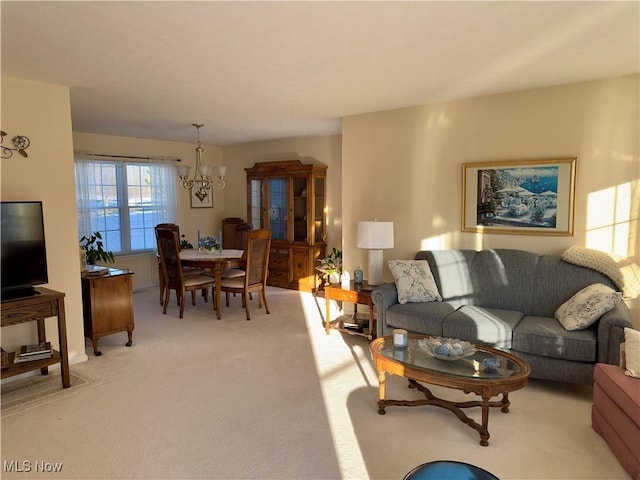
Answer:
[(414, 355)]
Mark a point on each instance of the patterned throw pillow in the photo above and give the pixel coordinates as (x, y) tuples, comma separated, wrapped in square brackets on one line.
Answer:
[(632, 352), (587, 306), (414, 281)]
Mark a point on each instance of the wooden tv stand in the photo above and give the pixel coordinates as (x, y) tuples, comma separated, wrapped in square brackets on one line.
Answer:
[(46, 303)]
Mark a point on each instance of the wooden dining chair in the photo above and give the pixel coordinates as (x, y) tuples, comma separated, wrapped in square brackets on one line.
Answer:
[(257, 271), (239, 240), (185, 270), (168, 241)]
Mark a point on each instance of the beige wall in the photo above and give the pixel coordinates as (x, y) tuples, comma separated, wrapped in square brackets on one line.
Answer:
[(190, 219), (325, 150), (42, 113), (405, 166)]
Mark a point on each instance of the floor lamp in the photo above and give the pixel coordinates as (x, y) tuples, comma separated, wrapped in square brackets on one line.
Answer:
[(375, 236)]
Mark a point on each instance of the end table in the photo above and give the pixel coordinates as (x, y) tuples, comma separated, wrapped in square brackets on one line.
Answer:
[(358, 293)]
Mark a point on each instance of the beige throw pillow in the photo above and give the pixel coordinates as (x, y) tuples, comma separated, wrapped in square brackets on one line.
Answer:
[(622, 271), (632, 352), (414, 281), (587, 306)]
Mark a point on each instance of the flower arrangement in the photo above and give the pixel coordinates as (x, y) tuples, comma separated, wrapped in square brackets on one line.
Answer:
[(209, 242)]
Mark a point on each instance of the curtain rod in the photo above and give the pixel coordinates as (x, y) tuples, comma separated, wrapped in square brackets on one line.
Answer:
[(132, 157)]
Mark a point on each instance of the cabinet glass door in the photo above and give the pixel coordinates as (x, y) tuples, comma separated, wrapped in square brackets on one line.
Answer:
[(278, 201), (319, 221), (300, 202), (255, 213)]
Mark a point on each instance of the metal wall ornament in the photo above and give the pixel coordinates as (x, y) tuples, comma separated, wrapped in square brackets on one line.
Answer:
[(20, 145)]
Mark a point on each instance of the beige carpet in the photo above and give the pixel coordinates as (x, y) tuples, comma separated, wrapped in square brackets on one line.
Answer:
[(276, 398), (24, 394)]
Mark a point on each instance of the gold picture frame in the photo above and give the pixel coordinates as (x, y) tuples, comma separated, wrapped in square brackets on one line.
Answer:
[(519, 197)]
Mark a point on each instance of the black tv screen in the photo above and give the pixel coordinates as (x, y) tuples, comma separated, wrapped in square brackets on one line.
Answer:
[(24, 255)]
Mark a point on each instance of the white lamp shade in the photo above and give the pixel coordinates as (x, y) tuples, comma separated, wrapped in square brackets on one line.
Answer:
[(183, 170), (205, 170), (222, 170), (375, 235)]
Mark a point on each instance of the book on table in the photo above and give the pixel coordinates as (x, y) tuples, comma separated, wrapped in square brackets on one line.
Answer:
[(37, 349), (96, 271), (30, 358)]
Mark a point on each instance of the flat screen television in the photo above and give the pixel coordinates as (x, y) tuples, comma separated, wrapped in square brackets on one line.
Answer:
[(24, 255)]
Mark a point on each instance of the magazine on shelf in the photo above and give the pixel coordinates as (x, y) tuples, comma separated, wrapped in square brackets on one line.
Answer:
[(31, 358), (37, 349)]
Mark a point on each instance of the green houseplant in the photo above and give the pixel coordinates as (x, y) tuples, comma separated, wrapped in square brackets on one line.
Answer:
[(94, 249), (331, 266)]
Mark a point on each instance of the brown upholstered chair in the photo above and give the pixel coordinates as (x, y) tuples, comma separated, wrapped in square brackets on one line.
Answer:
[(257, 270), (185, 270), (229, 226), (168, 241), (237, 240)]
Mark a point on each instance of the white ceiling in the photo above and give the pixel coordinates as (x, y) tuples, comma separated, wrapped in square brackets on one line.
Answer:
[(262, 70)]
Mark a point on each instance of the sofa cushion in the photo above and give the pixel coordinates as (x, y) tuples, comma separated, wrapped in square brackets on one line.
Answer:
[(414, 281), (423, 318), (557, 281), (451, 271), (545, 336), (587, 306), (504, 278), (485, 325), (632, 352)]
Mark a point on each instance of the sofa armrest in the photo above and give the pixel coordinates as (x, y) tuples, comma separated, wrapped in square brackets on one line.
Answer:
[(611, 333), (383, 297)]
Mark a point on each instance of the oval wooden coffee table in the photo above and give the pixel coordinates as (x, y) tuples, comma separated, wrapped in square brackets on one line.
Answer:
[(466, 374)]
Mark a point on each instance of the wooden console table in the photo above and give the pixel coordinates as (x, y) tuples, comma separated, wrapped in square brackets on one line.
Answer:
[(107, 305), (46, 303)]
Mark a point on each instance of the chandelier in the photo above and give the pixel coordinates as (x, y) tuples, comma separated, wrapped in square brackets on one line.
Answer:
[(201, 180)]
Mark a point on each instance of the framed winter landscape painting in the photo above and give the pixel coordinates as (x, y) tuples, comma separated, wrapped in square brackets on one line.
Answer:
[(522, 197)]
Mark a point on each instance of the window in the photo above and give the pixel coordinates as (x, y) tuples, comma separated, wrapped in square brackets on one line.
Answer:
[(124, 199)]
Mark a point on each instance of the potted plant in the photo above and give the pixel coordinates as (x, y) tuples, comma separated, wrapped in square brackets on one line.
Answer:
[(94, 250), (331, 266), (184, 243)]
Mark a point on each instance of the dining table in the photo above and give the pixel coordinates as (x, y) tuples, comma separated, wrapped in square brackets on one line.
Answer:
[(216, 261)]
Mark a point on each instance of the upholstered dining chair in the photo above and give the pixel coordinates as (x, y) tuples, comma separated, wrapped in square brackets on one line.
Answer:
[(185, 270), (229, 226), (238, 241), (168, 241), (257, 270)]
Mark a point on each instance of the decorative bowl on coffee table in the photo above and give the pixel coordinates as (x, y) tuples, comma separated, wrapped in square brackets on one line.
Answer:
[(449, 349)]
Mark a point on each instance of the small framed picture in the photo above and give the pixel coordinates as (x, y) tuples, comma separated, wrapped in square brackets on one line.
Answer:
[(199, 200)]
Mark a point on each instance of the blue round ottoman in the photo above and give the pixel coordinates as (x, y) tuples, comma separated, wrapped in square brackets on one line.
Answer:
[(448, 470)]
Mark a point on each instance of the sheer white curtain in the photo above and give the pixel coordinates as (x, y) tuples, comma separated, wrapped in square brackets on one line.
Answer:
[(163, 181), (84, 172)]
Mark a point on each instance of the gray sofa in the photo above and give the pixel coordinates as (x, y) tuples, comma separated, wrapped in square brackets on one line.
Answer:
[(507, 298)]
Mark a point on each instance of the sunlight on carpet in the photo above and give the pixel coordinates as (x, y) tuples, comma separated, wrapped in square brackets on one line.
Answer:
[(32, 392)]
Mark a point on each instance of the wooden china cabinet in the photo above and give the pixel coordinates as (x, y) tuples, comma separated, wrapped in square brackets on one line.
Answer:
[(289, 198)]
